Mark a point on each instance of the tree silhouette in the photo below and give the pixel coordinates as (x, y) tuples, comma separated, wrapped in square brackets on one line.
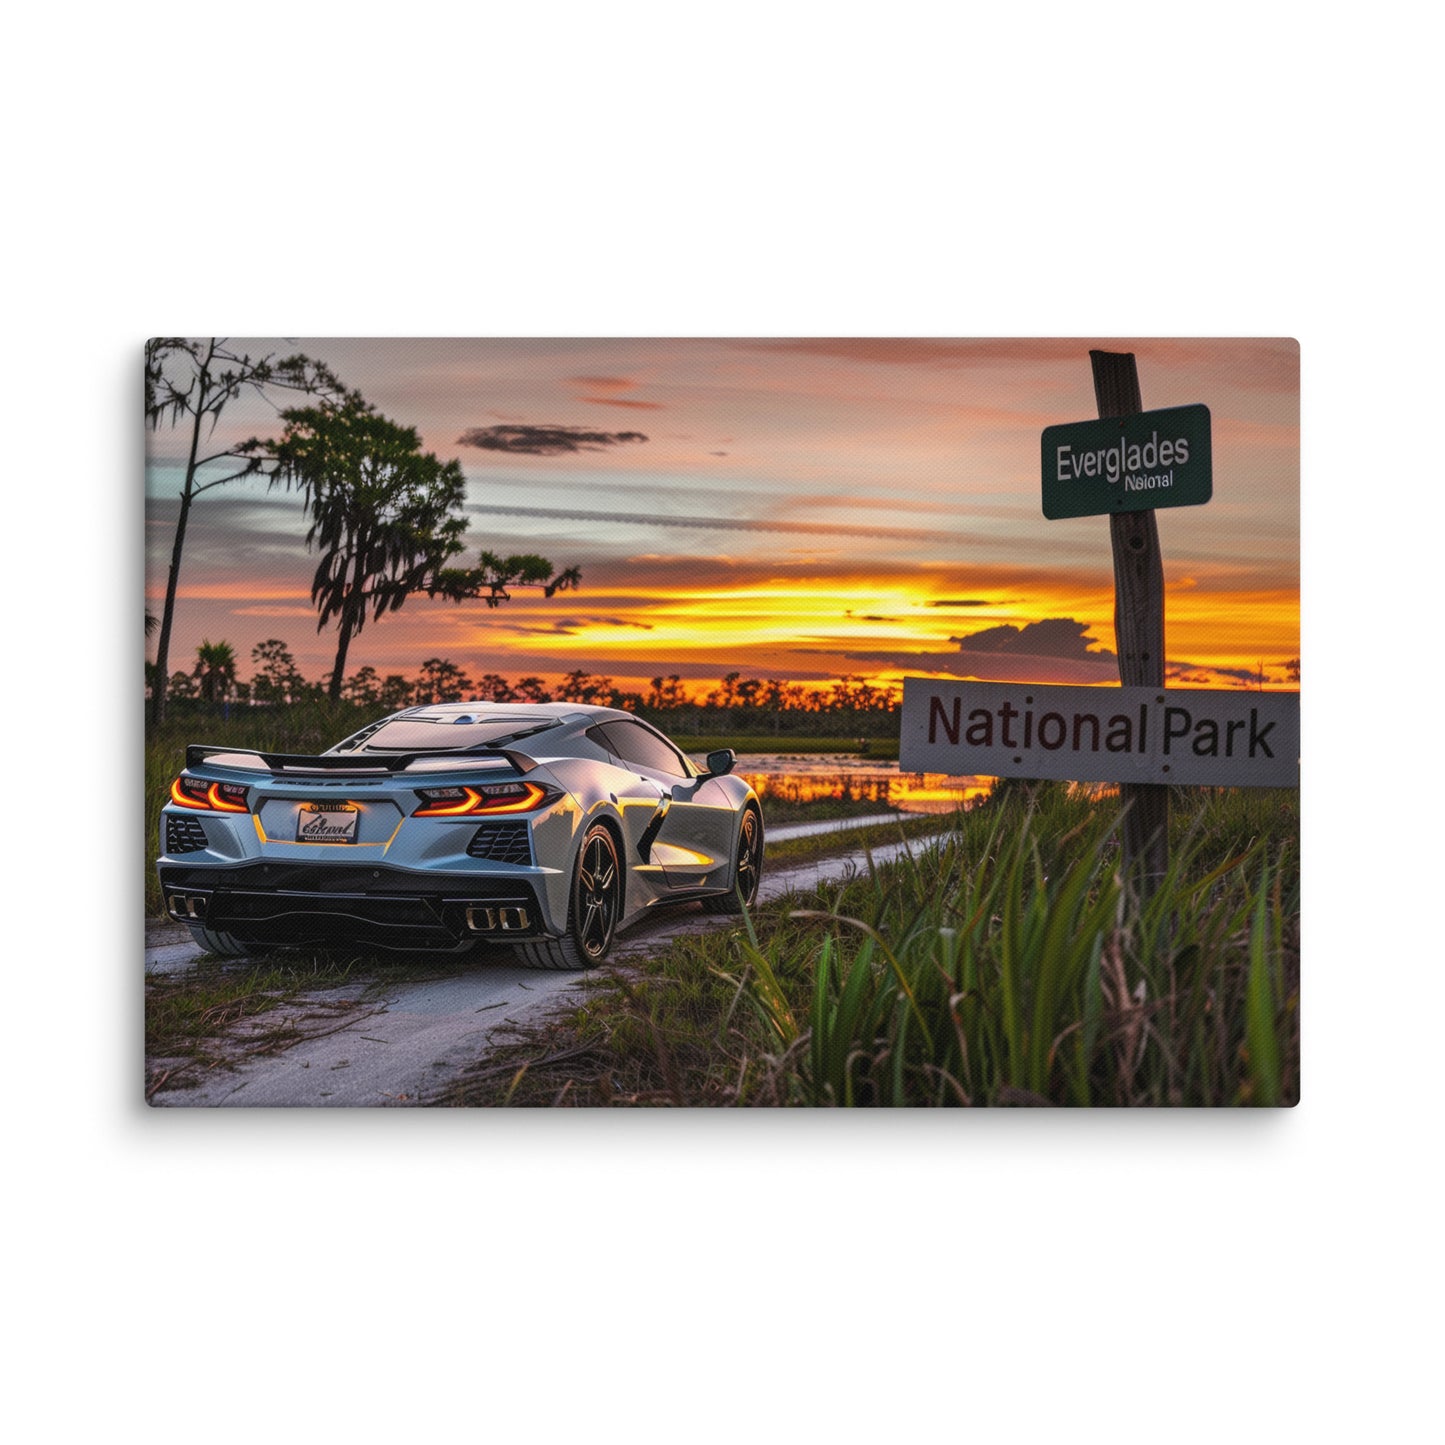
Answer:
[(385, 516), (495, 688), (493, 576), (667, 693), (277, 678), (583, 687), (189, 383), (363, 687), (215, 670), (726, 695), (441, 681), (396, 692)]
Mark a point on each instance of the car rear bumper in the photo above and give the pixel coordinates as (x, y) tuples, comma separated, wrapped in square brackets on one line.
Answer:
[(302, 904)]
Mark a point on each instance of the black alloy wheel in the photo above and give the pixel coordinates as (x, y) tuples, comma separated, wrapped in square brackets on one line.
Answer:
[(595, 909), (748, 874), (597, 894)]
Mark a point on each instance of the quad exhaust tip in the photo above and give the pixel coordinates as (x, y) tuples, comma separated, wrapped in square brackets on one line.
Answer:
[(493, 920), (188, 907)]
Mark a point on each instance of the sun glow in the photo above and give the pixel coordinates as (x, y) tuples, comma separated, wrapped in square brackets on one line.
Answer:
[(799, 510), (879, 628)]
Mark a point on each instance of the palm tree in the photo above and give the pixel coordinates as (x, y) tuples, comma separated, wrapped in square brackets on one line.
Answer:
[(215, 670)]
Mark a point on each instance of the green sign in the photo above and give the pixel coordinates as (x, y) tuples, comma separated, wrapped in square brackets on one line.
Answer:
[(1128, 463)]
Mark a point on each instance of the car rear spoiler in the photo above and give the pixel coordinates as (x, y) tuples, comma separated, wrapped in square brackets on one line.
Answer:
[(374, 765)]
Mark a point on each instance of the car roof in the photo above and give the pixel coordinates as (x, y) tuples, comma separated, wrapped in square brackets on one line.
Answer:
[(573, 719), (562, 711)]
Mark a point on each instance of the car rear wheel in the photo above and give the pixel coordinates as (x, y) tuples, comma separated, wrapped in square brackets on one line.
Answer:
[(225, 945), (596, 907), (747, 872)]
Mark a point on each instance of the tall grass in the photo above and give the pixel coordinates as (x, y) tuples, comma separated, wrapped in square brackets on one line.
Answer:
[(1010, 966), (1002, 964)]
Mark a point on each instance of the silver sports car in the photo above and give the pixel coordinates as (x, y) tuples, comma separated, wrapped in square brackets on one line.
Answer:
[(548, 827)]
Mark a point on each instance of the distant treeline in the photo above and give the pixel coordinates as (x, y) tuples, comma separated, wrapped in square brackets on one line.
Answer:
[(851, 706)]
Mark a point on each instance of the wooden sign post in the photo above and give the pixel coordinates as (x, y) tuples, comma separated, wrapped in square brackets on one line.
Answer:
[(1138, 627), (1124, 465)]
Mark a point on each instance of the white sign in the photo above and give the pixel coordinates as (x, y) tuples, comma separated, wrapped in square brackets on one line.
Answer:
[(1101, 734)]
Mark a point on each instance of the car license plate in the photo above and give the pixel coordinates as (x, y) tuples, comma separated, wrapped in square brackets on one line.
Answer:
[(326, 823)]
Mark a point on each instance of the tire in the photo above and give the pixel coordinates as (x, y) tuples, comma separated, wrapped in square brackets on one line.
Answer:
[(747, 871), (225, 945), (593, 912)]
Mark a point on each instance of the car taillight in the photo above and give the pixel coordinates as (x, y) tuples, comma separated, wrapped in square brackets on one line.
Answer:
[(488, 798), (192, 792)]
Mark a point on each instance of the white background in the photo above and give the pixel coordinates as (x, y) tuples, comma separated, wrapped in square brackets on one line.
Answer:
[(779, 169)]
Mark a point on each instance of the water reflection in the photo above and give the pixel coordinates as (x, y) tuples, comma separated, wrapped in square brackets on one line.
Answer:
[(794, 779)]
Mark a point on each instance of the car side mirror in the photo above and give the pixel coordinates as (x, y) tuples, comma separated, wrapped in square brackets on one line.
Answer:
[(720, 763)]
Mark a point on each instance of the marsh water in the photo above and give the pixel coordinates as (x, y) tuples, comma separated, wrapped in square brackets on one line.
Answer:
[(805, 778)]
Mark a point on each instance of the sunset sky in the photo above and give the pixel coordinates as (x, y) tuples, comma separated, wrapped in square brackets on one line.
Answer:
[(798, 509)]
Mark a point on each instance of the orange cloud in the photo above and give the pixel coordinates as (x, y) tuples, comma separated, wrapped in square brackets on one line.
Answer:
[(623, 401), (603, 383)]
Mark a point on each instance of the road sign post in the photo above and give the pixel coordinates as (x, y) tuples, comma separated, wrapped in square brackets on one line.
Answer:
[(1139, 735), (1138, 627)]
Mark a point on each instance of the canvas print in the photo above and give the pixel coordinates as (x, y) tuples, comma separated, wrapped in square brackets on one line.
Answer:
[(828, 722)]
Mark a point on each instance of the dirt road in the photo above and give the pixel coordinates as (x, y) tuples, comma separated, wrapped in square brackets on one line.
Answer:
[(404, 1043)]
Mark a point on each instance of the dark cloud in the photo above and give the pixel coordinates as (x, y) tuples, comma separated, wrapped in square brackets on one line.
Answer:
[(1241, 676), (960, 602), (570, 625), (1053, 637), (544, 441), (529, 624), (1055, 650)]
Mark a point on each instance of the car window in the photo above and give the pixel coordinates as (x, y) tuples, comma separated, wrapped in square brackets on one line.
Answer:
[(637, 746), (421, 733)]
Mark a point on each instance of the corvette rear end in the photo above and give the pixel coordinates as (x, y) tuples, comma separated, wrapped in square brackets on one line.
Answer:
[(408, 852)]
